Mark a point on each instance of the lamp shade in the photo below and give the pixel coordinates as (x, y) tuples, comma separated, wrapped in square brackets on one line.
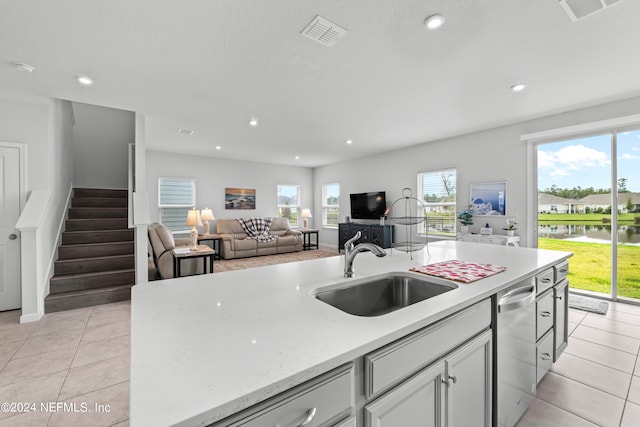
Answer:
[(193, 218), (206, 214), (306, 213)]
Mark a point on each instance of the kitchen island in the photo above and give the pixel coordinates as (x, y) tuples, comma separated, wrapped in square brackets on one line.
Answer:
[(206, 347)]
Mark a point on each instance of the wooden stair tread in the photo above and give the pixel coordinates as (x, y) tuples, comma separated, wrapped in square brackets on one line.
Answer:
[(60, 277), (87, 291), (93, 245), (95, 258)]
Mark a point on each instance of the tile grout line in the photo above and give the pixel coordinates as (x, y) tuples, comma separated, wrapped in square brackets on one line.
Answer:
[(567, 411), (587, 385), (626, 400), (71, 363)]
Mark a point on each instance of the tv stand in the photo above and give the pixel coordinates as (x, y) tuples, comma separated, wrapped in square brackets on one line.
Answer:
[(381, 235)]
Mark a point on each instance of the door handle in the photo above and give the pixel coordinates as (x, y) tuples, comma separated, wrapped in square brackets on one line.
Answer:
[(13, 236)]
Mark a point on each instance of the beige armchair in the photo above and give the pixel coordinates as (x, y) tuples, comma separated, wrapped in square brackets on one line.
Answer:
[(162, 242)]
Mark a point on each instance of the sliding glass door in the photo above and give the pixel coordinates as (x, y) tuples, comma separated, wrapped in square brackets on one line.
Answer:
[(587, 193), (628, 236)]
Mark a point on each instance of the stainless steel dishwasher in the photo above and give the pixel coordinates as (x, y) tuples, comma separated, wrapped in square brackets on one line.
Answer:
[(516, 351)]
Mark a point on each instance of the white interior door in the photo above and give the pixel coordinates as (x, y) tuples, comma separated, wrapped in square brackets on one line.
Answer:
[(9, 235)]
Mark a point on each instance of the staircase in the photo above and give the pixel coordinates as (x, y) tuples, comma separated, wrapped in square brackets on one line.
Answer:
[(96, 261)]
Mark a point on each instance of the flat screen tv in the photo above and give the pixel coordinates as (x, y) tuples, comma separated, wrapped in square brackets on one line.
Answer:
[(368, 205)]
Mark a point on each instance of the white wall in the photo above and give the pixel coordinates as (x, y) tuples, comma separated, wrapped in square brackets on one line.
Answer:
[(60, 171), (27, 121), (492, 155), (214, 175), (100, 146), (44, 126)]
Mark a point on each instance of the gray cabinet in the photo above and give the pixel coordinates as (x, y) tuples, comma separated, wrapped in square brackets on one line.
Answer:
[(469, 378), (418, 402), (439, 376), (552, 305), (323, 401), (561, 336), (453, 392)]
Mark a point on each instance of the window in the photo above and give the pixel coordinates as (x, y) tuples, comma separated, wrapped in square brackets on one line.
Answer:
[(289, 203), (437, 190), (175, 197), (330, 204)]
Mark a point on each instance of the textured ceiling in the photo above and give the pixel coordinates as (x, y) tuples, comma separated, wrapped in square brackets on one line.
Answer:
[(211, 65)]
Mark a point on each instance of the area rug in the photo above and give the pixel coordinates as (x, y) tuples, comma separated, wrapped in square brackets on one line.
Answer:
[(259, 261), (588, 304)]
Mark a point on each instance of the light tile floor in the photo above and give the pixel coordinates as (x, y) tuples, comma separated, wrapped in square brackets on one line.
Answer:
[(76, 364), (596, 382), (69, 369)]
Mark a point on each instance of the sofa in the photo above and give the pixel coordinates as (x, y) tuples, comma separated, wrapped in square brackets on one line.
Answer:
[(236, 243), (162, 241)]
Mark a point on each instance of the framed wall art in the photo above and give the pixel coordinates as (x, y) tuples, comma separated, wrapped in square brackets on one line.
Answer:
[(239, 198), (489, 198)]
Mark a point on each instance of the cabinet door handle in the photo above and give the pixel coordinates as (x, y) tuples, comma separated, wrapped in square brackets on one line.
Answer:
[(545, 314), (559, 297), (453, 378), (310, 415), (545, 356), (563, 270)]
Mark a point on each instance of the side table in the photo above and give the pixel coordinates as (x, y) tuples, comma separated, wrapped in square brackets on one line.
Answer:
[(204, 252), (306, 239), (215, 240)]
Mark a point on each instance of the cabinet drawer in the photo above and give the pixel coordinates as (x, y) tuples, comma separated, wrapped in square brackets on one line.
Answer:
[(544, 313), (544, 355), (391, 364), (544, 280), (350, 422), (331, 397), (561, 271)]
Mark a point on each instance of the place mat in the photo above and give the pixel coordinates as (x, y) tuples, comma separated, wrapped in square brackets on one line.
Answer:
[(459, 271), (588, 304)]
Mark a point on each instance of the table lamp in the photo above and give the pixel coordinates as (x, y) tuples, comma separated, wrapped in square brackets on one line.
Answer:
[(206, 215), (306, 213), (193, 219)]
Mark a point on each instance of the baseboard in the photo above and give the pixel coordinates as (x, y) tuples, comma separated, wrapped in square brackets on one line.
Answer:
[(27, 318)]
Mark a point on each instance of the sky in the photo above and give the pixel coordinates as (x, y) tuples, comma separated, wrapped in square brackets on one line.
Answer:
[(586, 162)]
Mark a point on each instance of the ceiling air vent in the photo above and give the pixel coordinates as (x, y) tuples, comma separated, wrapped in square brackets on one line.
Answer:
[(185, 131), (578, 9), (323, 31)]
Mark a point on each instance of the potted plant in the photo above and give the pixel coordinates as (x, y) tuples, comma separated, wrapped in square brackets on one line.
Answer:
[(511, 226), (466, 219)]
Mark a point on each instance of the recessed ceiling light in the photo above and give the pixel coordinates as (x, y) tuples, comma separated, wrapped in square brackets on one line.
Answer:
[(25, 68), (348, 142), (185, 131), (297, 157), (84, 80), (518, 87), (253, 122), (218, 147), (434, 22)]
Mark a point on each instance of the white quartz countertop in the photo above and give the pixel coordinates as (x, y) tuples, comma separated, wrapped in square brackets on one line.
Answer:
[(205, 347)]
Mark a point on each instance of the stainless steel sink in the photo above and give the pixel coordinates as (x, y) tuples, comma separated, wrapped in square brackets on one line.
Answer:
[(382, 294)]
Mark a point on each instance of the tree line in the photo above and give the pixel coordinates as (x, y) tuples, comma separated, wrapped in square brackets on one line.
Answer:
[(579, 192)]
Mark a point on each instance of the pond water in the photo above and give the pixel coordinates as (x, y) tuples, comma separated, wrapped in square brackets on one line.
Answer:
[(598, 233)]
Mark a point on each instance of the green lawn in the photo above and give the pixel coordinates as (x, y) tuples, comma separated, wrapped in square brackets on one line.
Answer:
[(589, 268)]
